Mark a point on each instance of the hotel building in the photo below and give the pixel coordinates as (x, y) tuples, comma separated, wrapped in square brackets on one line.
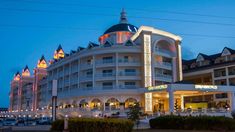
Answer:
[(128, 65)]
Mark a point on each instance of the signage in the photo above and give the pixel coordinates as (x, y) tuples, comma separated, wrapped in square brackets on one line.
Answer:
[(148, 102), (147, 61), (159, 87), (206, 87)]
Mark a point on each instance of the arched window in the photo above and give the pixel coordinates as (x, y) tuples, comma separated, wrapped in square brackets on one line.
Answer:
[(113, 103), (166, 46), (96, 104), (83, 104), (130, 102)]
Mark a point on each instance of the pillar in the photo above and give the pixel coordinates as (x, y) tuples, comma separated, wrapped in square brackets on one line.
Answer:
[(171, 100), (182, 102), (232, 101)]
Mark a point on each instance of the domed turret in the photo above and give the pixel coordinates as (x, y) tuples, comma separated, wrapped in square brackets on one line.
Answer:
[(119, 33)]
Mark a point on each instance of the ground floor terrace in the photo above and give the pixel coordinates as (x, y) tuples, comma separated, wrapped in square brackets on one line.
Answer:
[(162, 99)]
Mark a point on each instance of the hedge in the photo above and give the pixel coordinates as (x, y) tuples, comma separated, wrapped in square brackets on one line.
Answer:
[(193, 122), (94, 125)]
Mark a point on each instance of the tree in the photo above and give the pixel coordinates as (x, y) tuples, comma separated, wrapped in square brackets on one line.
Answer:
[(134, 114)]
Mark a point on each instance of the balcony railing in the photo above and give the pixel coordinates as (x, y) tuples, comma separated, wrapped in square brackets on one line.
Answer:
[(164, 76), (165, 51), (104, 61), (123, 61), (164, 64), (129, 74), (231, 73), (219, 74)]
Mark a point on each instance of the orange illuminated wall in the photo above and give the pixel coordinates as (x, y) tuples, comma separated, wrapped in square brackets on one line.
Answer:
[(42, 64), (17, 77), (26, 73), (59, 54)]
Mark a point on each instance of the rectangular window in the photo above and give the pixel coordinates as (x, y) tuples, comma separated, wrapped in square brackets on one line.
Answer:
[(108, 59), (126, 58), (107, 85), (107, 72), (89, 85), (89, 73), (130, 85), (130, 72)]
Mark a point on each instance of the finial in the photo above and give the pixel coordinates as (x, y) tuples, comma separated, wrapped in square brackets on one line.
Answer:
[(123, 18)]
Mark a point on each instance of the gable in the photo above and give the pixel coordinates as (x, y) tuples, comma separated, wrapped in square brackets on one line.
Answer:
[(200, 58), (225, 52)]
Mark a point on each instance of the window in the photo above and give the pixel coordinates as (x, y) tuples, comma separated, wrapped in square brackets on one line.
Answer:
[(89, 85), (107, 72), (126, 58), (107, 85), (222, 95), (130, 85), (88, 62), (130, 72), (89, 73), (108, 59)]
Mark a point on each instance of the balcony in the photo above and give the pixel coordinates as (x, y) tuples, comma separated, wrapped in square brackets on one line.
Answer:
[(123, 62), (105, 76), (85, 66), (163, 77), (164, 52), (129, 76), (108, 87), (128, 87), (164, 65), (220, 74), (105, 63), (85, 78)]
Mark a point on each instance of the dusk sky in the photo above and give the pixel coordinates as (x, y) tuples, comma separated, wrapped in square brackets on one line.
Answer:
[(30, 28)]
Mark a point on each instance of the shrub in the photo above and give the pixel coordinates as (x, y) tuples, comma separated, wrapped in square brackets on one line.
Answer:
[(193, 123), (233, 114), (94, 125)]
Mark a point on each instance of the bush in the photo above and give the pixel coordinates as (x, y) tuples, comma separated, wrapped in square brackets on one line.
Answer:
[(233, 114), (94, 125), (193, 123)]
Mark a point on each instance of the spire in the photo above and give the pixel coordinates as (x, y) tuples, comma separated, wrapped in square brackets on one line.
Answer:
[(123, 18), (42, 62), (26, 71), (59, 48), (26, 68), (17, 76), (59, 53)]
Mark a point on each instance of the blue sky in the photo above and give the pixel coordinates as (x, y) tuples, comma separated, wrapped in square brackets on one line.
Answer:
[(30, 28)]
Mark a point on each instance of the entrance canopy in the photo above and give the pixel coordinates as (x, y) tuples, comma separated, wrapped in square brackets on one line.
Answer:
[(174, 97)]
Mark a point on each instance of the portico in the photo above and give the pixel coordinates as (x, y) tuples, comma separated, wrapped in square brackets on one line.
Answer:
[(172, 98)]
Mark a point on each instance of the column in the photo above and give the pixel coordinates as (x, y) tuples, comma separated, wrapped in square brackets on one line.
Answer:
[(93, 72), (232, 100), (116, 71), (174, 69), (182, 102), (171, 100), (227, 79), (78, 68)]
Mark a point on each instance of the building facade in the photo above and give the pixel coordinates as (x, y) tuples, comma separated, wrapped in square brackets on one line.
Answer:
[(106, 76), (217, 69), (128, 65)]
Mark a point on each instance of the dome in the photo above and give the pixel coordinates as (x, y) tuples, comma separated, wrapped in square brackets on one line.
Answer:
[(122, 27)]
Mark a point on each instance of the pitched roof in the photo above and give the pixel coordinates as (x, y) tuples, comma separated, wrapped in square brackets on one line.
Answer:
[(26, 68), (59, 48), (42, 58)]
